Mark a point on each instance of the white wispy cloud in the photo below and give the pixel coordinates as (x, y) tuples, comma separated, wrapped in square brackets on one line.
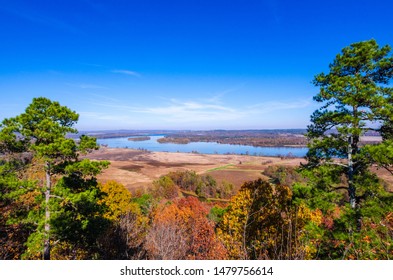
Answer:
[(97, 116), (177, 111), (103, 98), (198, 112), (127, 72), (190, 111), (217, 97), (270, 106), (86, 86)]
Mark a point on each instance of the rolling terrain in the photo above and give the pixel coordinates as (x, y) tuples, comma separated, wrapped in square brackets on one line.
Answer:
[(138, 169)]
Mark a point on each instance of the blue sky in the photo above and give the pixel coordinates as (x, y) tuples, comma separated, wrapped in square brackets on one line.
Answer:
[(157, 64)]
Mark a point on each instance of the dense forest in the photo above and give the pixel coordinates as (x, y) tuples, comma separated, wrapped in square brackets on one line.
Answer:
[(333, 207)]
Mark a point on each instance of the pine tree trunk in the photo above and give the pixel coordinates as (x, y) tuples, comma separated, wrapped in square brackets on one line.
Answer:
[(351, 187), (47, 213), (352, 150)]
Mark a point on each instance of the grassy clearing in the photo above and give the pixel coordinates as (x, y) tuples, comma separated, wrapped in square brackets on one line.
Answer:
[(224, 167), (188, 193), (208, 199)]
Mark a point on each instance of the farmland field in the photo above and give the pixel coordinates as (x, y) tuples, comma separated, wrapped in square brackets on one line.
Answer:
[(138, 169)]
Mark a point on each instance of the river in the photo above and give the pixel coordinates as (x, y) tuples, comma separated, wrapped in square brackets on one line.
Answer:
[(201, 147)]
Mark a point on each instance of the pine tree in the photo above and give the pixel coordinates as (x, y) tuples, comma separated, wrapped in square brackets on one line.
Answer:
[(357, 98), (68, 192)]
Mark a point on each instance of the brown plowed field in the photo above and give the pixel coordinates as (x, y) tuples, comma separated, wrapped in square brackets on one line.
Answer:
[(138, 169)]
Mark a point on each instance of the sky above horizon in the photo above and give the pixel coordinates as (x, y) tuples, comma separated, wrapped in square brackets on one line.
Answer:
[(179, 64)]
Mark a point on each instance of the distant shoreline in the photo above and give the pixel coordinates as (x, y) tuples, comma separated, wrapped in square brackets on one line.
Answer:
[(280, 138)]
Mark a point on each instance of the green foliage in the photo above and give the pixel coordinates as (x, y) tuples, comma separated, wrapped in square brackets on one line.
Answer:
[(10, 143), (84, 167), (224, 190), (87, 144), (338, 235), (381, 155), (186, 180), (216, 214), (283, 175), (164, 187), (46, 121), (145, 202), (204, 186)]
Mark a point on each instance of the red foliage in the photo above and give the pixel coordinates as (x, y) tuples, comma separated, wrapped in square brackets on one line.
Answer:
[(182, 231)]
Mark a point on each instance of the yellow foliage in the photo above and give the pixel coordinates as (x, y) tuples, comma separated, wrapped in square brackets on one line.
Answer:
[(232, 229), (316, 216), (117, 199), (261, 224), (66, 251)]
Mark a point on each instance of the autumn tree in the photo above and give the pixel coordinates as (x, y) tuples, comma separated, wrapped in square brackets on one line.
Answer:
[(164, 187), (168, 237), (124, 238), (356, 98), (116, 198), (69, 192), (204, 243), (204, 186), (181, 230), (262, 223)]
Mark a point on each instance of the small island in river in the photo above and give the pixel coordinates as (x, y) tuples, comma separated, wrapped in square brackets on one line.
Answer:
[(175, 140), (142, 138)]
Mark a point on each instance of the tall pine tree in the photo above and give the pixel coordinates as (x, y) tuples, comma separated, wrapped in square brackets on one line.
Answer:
[(68, 194), (356, 97)]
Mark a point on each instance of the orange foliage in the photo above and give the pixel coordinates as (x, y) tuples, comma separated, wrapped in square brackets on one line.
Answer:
[(12, 239), (182, 231)]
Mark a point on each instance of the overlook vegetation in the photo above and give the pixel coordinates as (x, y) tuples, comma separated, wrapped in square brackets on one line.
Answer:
[(332, 207)]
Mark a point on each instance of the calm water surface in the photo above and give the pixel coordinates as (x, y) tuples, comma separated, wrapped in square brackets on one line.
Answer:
[(200, 147)]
